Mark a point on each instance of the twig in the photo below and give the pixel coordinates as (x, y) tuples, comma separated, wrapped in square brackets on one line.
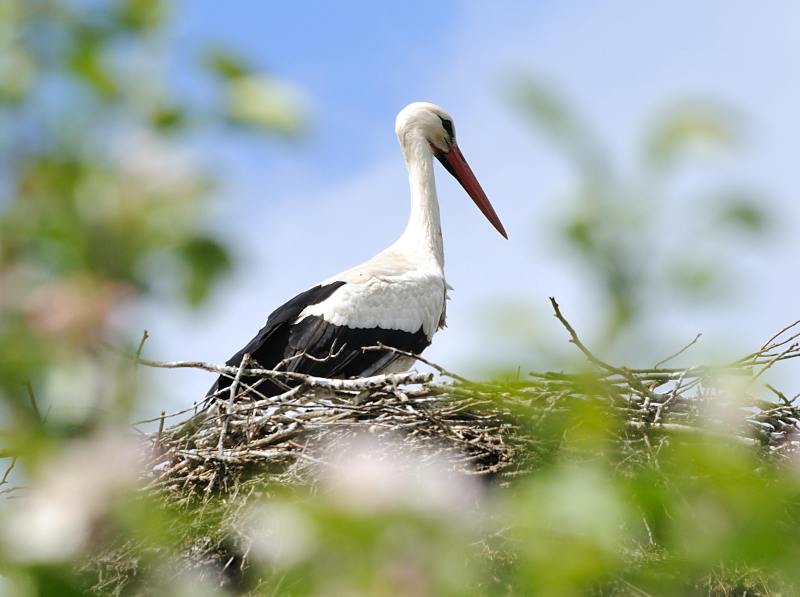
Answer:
[(770, 363), (779, 394), (32, 400), (163, 416), (305, 355), (677, 427), (626, 374), (679, 353), (363, 383), (662, 405), (229, 406), (145, 336), (768, 344), (157, 442), (577, 342), (10, 468), (420, 358)]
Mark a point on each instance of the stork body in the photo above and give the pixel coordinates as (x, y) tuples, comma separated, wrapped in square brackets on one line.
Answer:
[(396, 299)]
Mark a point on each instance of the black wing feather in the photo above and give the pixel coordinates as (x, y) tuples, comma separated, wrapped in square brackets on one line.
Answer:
[(316, 347), (337, 349), (266, 348)]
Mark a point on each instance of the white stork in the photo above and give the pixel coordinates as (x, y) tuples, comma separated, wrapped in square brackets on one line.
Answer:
[(397, 298)]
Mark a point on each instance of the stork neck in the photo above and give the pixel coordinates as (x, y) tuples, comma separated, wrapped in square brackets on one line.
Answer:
[(423, 234)]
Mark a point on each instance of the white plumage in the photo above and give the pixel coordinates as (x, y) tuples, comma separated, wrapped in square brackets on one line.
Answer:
[(390, 291)]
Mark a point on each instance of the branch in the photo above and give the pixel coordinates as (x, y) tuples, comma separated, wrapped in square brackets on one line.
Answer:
[(405, 353), (581, 346), (145, 336), (769, 364), (679, 353), (363, 383), (32, 399), (229, 404)]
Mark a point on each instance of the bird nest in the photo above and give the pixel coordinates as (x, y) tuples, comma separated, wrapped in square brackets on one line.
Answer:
[(244, 445), (282, 439), (487, 429)]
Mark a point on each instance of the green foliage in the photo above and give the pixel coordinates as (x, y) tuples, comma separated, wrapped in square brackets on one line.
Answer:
[(205, 260), (255, 100), (689, 128), (98, 188), (598, 509), (101, 204)]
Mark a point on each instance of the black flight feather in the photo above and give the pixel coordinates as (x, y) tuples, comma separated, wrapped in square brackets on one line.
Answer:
[(316, 347)]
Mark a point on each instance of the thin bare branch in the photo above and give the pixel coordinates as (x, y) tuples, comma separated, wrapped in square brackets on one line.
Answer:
[(145, 336), (574, 339), (680, 352), (363, 383), (229, 406), (420, 358), (32, 400), (10, 468)]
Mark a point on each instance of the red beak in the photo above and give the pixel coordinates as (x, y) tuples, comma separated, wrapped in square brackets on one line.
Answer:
[(456, 165)]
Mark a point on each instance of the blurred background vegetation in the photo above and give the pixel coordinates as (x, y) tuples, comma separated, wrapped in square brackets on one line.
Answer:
[(613, 222), (652, 231), (102, 203)]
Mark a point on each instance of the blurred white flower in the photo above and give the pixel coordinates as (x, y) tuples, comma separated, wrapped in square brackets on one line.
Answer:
[(77, 388), (54, 518), (367, 475), (190, 584), (76, 308), (264, 102), (791, 446), (583, 502), (279, 533), (729, 410), (155, 166), (16, 585), (17, 71)]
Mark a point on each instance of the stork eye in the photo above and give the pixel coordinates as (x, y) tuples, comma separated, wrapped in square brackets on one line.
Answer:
[(448, 126)]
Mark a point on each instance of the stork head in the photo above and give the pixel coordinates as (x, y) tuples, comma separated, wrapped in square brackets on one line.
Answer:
[(435, 126)]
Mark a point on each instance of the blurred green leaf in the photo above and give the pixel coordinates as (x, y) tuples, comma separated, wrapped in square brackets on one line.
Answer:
[(689, 129), (548, 109), (745, 213), (142, 15), (553, 516), (266, 104), (86, 62), (169, 118), (695, 278), (99, 183), (578, 230), (552, 115), (17, 74), (624, 223), (205, 260), (226, 64)]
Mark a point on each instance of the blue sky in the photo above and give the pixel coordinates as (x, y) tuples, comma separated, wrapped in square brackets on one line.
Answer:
[(355, 64), (336, 197)]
